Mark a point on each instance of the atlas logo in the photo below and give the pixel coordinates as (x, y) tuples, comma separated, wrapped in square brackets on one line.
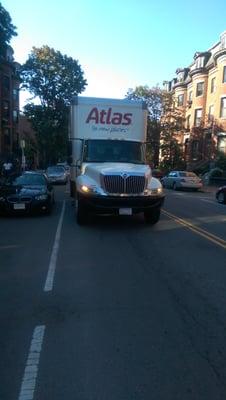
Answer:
[(108, 117)]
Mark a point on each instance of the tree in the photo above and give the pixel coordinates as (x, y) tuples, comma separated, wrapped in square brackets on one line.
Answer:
[(52, 79), (7, 30), (172, 121), (153, 98)]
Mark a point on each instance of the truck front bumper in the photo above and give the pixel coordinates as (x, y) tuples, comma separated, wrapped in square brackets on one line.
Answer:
[(112, 204)]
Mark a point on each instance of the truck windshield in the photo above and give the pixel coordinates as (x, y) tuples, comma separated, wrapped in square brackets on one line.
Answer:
[(114, 151)]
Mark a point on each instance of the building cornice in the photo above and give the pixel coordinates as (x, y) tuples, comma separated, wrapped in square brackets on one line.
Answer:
[(219, 54), (179, 85), (198, 71)]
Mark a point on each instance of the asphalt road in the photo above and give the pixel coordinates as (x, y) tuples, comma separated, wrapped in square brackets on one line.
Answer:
[(116, 309)]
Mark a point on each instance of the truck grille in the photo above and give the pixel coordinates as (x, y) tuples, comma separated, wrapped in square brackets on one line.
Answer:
[(117, 184)]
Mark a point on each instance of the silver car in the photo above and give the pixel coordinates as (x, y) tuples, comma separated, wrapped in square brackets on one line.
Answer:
[(57, 175), (182, 180)]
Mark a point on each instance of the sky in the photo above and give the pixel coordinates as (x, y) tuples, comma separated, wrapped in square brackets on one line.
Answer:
[(119, 44)]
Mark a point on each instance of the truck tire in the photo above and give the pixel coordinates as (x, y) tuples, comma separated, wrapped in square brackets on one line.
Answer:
[(152, 216), (81, 213)]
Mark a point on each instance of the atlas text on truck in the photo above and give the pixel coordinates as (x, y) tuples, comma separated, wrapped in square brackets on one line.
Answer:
[(108, 173)]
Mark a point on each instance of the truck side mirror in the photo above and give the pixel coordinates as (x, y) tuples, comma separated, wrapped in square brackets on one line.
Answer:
[(78, 163)]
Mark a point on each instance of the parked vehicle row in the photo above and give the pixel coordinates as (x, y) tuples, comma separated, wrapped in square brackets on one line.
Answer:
[(32, 191)]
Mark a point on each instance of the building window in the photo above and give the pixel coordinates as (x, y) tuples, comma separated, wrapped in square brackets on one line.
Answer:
[(222, 145), (180, 100), (15, 116), (213, 85), (199, 89), (190, 96), (6, 83), (15, 94), (223, 108), (223, 40), (5, 109), (188, 122), (198, 116), (195, 149), (6, 137), (210, 114), (200, 62), (224, 74), (180, 77)]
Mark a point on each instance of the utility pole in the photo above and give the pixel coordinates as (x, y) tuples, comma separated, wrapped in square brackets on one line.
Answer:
[(23, 159)]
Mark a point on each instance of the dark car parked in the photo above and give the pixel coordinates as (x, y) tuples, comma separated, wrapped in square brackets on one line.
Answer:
[(221, 195), (26, 193)]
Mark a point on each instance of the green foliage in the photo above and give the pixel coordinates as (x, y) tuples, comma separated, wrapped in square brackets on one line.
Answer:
[(50, 126), (7, 29), (52, 76), (216, 172), (173, 122), (153, 99), (53, 79)]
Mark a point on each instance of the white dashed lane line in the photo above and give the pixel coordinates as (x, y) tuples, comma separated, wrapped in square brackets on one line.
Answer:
[(31, 370), (53, 260)]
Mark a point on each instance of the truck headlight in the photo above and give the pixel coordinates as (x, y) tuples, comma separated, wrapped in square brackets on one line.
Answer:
[(85, 189), (153, 192), (92, 189)]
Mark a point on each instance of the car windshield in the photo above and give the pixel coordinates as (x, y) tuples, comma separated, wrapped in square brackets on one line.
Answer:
[(114, 151), (55, 170), (29, 179)]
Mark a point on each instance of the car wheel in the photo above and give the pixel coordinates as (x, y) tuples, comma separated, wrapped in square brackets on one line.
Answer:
[(221, 198), (152, 216), (48, 209)]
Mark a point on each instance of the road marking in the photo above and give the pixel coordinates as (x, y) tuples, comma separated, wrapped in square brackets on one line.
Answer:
[(10, 246), (208, 201), (31, 369), (53, 260), (202, 232)]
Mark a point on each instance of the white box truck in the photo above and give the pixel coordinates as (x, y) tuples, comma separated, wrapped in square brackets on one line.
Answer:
[(108, 173)]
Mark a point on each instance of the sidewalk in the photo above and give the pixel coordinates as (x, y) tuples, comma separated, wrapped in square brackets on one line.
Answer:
[(209, 188)]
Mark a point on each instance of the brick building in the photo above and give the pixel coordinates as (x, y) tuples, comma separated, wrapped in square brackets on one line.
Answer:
[(9, 106), (199, 92)]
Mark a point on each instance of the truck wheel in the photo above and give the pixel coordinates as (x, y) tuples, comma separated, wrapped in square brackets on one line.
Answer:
[(152, 216), (81, 213)]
